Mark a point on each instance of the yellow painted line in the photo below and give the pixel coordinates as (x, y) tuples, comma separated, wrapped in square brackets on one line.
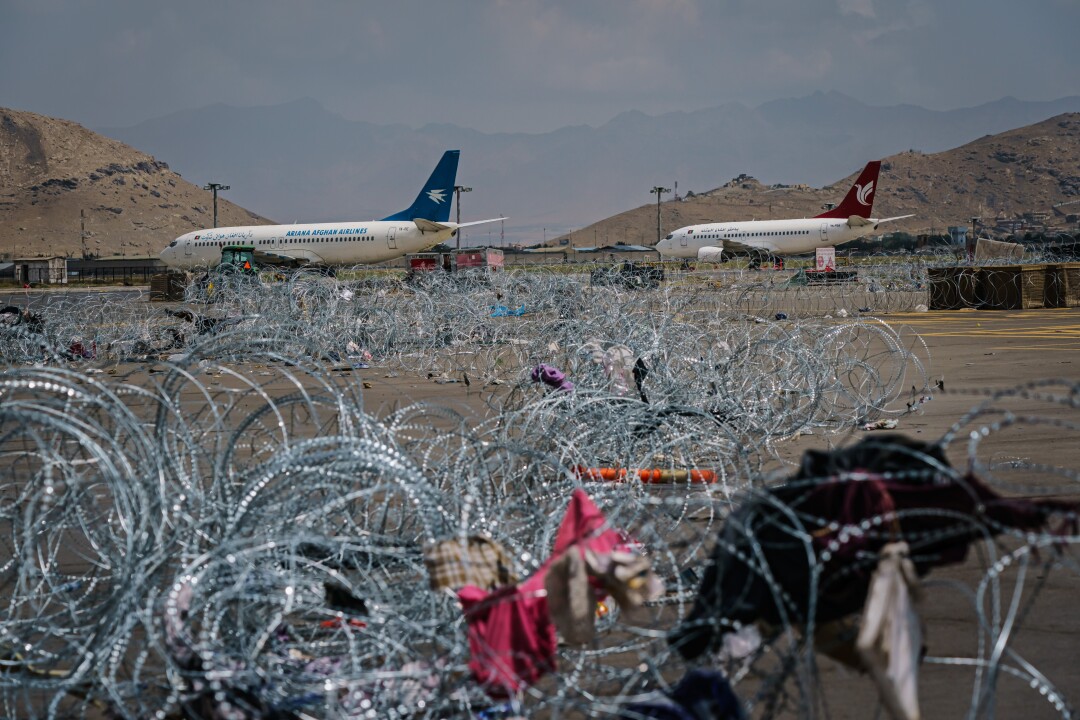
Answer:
[(1070, 348), (977, 332)]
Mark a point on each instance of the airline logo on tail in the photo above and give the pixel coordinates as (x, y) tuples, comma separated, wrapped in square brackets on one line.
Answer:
[(862, 192), (438, 196), (859, 200)]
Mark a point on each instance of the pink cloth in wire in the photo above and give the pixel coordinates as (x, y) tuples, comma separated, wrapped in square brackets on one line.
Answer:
[(511, 637)]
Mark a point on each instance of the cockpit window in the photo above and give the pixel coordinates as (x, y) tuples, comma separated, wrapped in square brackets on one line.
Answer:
[(172, 244), (670, 236)]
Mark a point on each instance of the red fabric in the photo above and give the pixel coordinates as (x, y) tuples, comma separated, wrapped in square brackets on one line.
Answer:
[(511, 636), (583, 519), (850, 501)]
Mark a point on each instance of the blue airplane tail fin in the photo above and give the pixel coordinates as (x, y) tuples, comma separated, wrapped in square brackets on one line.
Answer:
[(433, 202)]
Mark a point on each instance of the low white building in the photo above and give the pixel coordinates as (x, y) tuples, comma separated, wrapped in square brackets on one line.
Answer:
[(40, 270)]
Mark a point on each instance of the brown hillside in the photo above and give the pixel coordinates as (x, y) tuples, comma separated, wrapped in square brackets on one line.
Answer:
[(997, 178), (52, 170)]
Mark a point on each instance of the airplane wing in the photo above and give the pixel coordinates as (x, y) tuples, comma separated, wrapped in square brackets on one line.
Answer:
[(481, 222), (293, 258), (856, 222), (898, 217), (758, 249), (716, 253), (430, 226)]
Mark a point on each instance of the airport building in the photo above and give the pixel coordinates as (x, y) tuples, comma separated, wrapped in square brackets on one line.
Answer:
[(124, 268), (959, 234), (36, 270)]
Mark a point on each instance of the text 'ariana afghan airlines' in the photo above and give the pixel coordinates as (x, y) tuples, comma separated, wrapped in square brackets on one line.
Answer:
[(422, 225), (849, 221)]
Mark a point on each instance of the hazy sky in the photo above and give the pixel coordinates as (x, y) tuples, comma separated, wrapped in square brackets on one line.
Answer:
[(525, 65)]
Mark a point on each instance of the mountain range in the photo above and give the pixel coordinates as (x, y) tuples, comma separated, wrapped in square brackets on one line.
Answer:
[(65, 189), (299, 162), (1032, 170)]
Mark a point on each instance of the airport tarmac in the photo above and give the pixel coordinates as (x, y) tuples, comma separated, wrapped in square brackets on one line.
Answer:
[(973, 354)]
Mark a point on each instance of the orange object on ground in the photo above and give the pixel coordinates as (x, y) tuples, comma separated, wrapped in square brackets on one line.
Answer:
[(646, 475), (338, 622)]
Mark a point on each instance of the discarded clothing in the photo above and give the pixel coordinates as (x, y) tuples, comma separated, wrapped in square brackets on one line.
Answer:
[(617, 362), (571, 598), (627, 577), (573, 593), (552, 377), (835, 515), (13, 315), (474, 560), (228, 701), (883, 424), (700, 695), (511, 638), (78, 351), (640, 372), (890, 635), (511, 635), (504, 311)]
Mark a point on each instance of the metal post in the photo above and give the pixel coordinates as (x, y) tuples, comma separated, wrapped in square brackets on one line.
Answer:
[(214, 187), (458, 189), (658, 190), (972, 241)]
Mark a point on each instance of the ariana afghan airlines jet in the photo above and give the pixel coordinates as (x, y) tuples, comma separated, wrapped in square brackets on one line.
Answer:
[(422, 225), (848, 221)]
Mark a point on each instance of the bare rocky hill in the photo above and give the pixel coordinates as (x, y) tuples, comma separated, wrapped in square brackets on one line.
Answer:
[(57, 177), (59, 181), (998, 178)]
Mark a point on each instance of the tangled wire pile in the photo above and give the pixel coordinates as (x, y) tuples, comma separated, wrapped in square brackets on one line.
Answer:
[(200, 519)]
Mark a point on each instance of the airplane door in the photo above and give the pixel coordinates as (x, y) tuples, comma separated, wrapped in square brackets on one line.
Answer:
[(187, 249), (682, 241), (391, 238), (825, 231)]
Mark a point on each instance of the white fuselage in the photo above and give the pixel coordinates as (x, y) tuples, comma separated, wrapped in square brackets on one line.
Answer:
[(347, 243), (778, 237)]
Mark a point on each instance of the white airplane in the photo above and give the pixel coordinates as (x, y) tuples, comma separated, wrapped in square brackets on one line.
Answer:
[(849, 221), (422, 225)]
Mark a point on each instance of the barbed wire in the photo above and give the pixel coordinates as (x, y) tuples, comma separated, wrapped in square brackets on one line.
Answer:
[(200, 518)]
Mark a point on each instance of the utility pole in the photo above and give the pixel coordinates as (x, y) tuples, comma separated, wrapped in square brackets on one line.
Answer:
[(658, 190), (82, 231), (458, 189), (973, 240), (214, 187)]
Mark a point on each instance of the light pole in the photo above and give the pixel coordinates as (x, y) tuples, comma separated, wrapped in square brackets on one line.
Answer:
[(214, 187), (658, 190), (458, 189), (973, 240)]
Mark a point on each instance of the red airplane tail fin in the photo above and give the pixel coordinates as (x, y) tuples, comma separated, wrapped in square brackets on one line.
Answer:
[(860, 198)]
